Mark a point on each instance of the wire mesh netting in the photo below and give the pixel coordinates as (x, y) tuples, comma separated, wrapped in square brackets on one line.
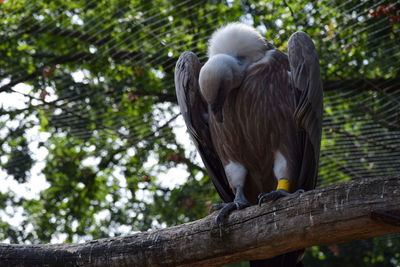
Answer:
[(361, 127), (97, 77)]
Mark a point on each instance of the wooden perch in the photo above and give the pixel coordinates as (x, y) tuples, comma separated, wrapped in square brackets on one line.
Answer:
[(339, 213)]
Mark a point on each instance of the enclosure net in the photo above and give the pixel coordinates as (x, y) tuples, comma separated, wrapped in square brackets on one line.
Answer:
[(362, 111), (102, 72)]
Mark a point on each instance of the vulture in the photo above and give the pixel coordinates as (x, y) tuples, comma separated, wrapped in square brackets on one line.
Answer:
[(255, 116)]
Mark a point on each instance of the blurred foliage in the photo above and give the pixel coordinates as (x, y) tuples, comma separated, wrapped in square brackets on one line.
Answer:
[(101, 90), (372, 252)]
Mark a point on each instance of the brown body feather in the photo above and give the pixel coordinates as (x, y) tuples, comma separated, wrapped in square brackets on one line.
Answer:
[(251, 134)]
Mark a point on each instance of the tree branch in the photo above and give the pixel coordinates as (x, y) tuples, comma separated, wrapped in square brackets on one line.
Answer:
[(339, 213)]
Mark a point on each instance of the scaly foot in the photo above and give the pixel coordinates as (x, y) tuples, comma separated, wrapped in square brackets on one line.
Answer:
[(240, 202), (227, 208), (274, 195)]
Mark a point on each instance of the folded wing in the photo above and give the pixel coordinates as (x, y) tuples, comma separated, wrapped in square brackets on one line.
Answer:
[(307, 88), (195, 114)]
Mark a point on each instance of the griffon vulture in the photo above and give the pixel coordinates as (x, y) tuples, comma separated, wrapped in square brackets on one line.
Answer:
[(254, 114)]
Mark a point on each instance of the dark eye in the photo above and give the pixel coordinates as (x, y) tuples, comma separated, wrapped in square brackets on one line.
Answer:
[(240, 59)]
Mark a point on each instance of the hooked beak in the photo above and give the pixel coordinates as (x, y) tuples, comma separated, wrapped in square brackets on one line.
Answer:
[(216, 110), (216, 107)]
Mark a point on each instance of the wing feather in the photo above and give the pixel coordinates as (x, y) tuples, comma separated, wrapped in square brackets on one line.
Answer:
[(307, 86), (195, 114)]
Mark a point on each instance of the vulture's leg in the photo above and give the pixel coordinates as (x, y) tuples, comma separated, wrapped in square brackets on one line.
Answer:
[(282, 174), (236, 175)]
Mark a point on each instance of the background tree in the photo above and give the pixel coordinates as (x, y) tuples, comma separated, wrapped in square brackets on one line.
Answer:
[(97, 114)]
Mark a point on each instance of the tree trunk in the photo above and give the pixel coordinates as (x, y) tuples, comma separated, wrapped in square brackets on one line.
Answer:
[(339, 213)]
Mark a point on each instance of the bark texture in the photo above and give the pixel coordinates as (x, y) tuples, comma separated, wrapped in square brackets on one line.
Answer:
[(339, 213)]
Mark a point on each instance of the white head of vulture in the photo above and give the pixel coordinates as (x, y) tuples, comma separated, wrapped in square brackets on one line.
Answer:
[(254, 114)]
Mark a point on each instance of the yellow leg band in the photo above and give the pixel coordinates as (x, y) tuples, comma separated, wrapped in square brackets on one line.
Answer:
[(283, 184)]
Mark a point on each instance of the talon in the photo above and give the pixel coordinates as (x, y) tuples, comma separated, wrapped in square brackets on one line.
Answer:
[(215, 207), (274, 195), (240, 202), (228, 207), (218, 221)]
